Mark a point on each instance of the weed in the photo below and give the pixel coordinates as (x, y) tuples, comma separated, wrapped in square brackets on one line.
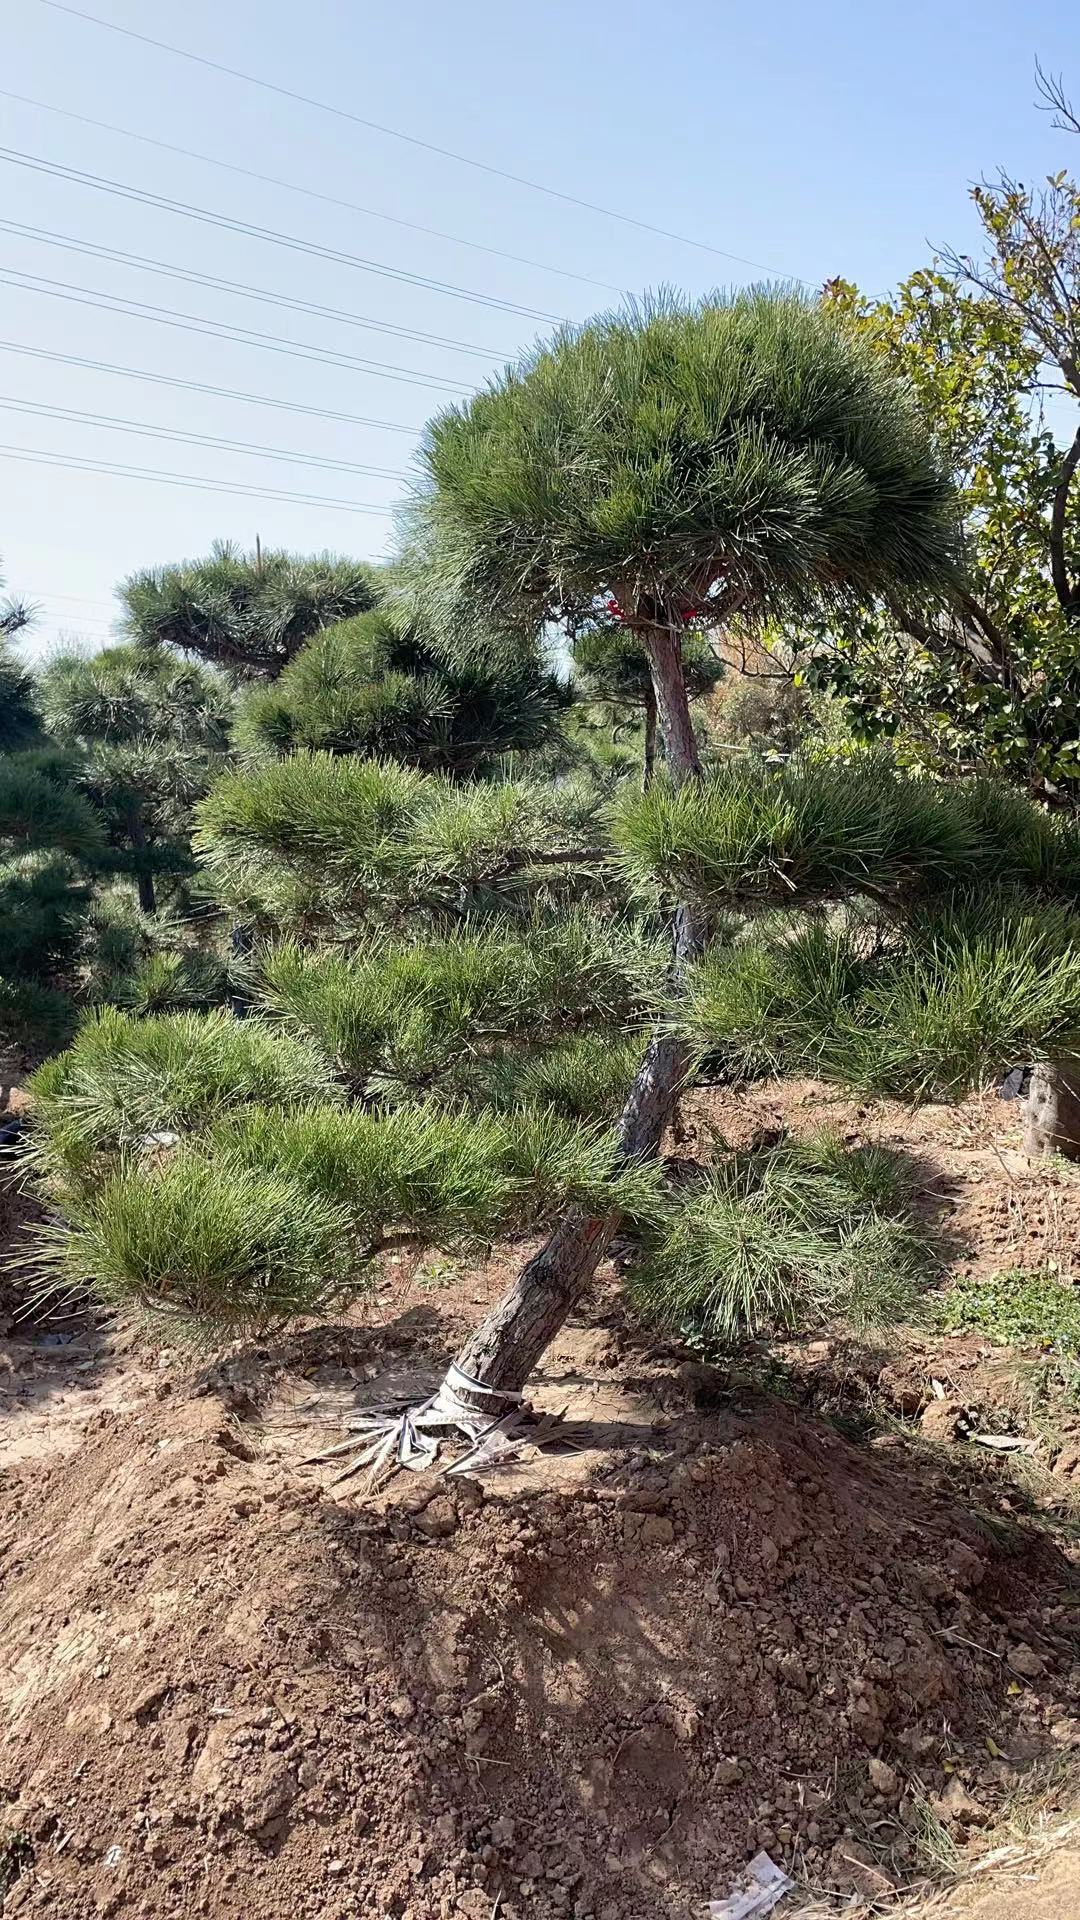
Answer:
[(16, 1854), (1016, 1308)]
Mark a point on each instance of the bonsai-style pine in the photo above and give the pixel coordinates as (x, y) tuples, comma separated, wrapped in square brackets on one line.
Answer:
[(248, 613), (375, 685), (146, 730), (483, 1008)]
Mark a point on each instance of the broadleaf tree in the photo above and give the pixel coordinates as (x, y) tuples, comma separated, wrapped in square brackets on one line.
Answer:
[(989, 342)]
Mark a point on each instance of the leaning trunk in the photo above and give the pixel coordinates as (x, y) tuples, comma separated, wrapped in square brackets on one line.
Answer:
[(1052, 1117), (507, 1345)]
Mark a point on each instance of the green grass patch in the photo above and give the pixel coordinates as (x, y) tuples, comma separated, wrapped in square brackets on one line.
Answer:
[(1020, 1308)]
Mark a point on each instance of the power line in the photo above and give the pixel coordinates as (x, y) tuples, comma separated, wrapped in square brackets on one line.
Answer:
[(411, 139), (310, 193), (122, 190), (168, 270), (220, 330), (74, 619), (199, 386), (199, 481), (147, 430), (78, 599)]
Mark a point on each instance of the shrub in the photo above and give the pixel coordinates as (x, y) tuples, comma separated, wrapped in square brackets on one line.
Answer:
[(785, 1239)]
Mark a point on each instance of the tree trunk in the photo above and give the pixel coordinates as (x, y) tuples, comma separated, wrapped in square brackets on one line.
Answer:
[(649, 762), (143, 876), (505, 1348), (1052, 1116), (241, 942)]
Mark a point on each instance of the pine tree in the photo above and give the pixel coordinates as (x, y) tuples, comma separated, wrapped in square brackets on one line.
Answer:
[(14, 616), (611, 669), (248, 613), (745, 457), (483, 1013), (146, 730), (50, 846), (377, 685)]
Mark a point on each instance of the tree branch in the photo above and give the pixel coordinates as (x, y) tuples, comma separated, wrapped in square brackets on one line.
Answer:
[(561, 857), (1068, 595)]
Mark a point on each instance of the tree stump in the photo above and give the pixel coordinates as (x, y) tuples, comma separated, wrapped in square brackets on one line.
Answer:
[(1052, 1115)]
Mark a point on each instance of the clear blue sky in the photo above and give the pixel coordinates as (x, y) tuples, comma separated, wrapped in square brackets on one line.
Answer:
[(815, 140)]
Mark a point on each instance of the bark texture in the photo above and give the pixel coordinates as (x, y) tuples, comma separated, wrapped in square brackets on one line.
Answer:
[(507, 1345), (1052, 1116), (649, 761)]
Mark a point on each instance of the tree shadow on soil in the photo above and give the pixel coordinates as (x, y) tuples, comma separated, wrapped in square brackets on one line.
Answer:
[(652, 1674)]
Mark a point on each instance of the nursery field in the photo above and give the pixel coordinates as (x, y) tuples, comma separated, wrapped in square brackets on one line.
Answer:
[(540, 1061), (796, 1607)]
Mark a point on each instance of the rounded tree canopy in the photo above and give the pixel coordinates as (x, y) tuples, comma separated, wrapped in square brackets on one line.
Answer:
[(247, 612), (742, 453), (134, 695), (377, 685)]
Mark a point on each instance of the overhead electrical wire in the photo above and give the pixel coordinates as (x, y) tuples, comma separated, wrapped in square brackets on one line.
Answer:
[(220, 330), (202, 483), (201, 386), (187, 210), (79, 599), (410, 139), (168, 270), (147, 429), (310, 193)]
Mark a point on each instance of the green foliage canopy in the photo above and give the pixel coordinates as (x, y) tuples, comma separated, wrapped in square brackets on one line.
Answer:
[(246, 612), (746, 452)]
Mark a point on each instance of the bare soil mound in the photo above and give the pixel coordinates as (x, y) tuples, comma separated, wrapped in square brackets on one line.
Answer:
[(587, 1686)]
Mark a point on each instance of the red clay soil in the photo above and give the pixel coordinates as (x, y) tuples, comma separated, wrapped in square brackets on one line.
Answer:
[(588, 1686)]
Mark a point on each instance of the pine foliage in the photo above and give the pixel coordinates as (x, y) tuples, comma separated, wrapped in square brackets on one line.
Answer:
[(246, 612), (50, 844), (375, 687), (748, 448), (401, 1018), (126, 1079), (304, 840), (815, 828), (147, 731), (785, 1239), (929, 1009)]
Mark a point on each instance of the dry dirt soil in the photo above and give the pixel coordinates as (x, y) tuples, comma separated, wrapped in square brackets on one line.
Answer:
[(591, 1683)]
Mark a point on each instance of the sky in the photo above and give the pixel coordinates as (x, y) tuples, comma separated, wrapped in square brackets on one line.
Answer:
[(807, 141)]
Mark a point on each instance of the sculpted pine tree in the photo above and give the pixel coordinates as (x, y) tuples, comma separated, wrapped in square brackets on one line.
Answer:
[(740, 457), (248, 613), (474, 1000), (147, 730)]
